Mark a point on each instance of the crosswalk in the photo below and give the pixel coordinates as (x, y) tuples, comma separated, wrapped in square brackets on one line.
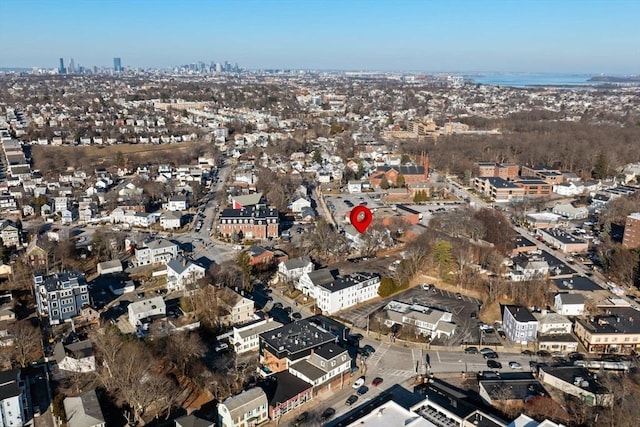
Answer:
[(397, 372), (377, 356)]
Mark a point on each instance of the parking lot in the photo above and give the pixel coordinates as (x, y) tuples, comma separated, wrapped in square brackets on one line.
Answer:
[(467, 330)]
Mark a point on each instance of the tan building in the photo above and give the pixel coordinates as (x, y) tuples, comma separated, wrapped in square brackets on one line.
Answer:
[(236, 308), (563, 241), (616, 332), (631, 238), (498, 189)]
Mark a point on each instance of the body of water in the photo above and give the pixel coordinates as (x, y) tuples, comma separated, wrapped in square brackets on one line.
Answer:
[(532, 79)]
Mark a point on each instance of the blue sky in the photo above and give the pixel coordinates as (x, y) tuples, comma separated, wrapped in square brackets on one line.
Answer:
[(584, 36)]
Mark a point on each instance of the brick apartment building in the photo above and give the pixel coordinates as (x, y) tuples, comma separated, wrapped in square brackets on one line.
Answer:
[(507, 171), (631, 238), (254, 222), (411, 173)]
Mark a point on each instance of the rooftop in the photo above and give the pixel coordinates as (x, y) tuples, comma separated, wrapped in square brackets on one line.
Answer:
[(296, 337), (520, 313), (344, 282), (250, 399)]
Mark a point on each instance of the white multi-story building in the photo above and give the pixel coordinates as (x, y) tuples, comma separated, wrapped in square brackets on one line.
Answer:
[(158, 251), (325, 364), (13, 402), (426, 320), (569, 304), (247, 337), (293, 269), (182, 273), (347, 291)]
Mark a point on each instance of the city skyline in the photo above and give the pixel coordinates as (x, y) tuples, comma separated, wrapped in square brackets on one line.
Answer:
[(465, 36)]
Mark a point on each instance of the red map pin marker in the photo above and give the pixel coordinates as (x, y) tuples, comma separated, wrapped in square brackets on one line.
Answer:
[(361, 218)]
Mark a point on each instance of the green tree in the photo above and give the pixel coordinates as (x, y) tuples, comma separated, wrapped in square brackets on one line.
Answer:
[(400, 181), (601, 168), (384, 184), (405, 159), (443, 257), (120, 160), (244, 262), (317, 157), (387, 287)]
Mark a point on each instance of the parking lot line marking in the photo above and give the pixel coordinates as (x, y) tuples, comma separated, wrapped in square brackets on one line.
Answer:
[(438, 354)]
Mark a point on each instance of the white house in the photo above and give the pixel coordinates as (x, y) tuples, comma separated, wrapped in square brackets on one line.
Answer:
[(246, 337), (426, 320), (569, 304), (182, 273), (552, 323), (171, 220), (354, 187), (110, 267), (140, 310), (158, 251), (346, 291), (299, 204), (178, 202), (293, 269), (12, 401), (568, 189), (249, 408), (75, 357)]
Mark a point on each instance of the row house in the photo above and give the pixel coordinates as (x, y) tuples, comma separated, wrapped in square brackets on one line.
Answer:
[(60, 296), (249, 408), (259, 222), (346, 291)]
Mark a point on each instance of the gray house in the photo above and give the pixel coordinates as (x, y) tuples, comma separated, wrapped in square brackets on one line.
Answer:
[(84, 410), (60, 296), (519, 324)]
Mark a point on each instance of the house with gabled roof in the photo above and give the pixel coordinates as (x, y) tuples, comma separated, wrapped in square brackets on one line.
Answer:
[(75, 357), (248, 408), (84, 410), (293, 269), (181, 273)]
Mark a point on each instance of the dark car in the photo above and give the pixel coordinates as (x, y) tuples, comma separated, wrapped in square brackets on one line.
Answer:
[(543, 353), (527, 353), (471, 350), (351, 400), (369, 349), (297, 316), (356, 337), (300, 419), (492, 355), (576, 356), (376, 381), (362, 390), (494, 364), (328, 413), (277, 305)]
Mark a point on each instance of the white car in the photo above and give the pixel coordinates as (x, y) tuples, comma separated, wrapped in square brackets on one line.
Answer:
[(515, 365), (359, 383)]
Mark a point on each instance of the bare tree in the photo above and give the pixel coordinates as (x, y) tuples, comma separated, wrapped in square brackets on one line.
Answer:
[(27, 343)]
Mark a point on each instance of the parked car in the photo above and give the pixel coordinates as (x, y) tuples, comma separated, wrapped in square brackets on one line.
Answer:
[(492, 355), (369, 349), (351, 400), (359, 383), (221, 346), (300, 419), (494, 364), (376, 381), (277, 305), (471, 350), (527, 353), (515, 365), (458, 295), (328, 413), (297, 315), (362, 390)]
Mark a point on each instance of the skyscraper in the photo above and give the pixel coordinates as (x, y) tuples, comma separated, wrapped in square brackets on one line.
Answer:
[(61, 68), (72, 67), (117, 65)]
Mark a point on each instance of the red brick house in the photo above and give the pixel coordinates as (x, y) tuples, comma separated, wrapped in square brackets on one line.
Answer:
[(411, 173), (255, 222)]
